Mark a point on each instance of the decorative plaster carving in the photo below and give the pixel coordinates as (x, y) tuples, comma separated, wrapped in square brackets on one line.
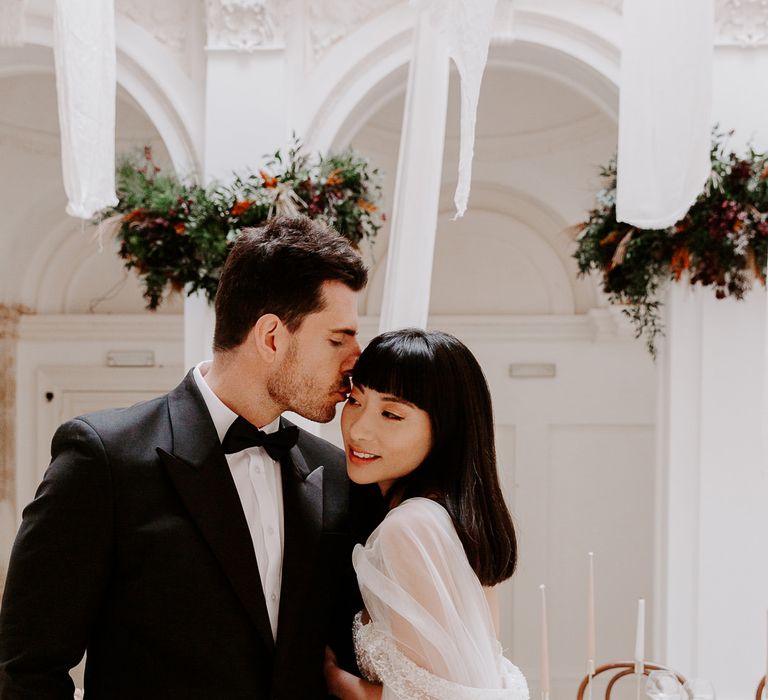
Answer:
[(243, 25), (166, 21), (332, 20), (742, 22), (738, 22)]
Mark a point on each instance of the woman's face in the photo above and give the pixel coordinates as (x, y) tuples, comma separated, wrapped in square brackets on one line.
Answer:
[(385, 437)]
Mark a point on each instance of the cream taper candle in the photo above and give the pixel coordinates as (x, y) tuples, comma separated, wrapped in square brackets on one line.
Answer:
[(544, 645), (640, 637), (591, 615)]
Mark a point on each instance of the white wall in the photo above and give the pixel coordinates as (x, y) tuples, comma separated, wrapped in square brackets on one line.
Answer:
[(577, 449)]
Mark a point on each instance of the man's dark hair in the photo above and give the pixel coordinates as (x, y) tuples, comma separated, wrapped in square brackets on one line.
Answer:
[(279, 268)]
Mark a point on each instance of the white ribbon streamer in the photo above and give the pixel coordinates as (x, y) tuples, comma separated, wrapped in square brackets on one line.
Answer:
[(466, 26), (84, 51), (664, 109)]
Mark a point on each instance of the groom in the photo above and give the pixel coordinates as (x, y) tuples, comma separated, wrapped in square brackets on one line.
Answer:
[(190, 554)]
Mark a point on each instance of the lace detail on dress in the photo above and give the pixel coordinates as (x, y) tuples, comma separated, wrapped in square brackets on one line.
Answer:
[(380, 661)]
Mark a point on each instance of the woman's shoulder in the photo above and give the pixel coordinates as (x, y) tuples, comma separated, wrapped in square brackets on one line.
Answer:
[(417, 509), (416, 519)]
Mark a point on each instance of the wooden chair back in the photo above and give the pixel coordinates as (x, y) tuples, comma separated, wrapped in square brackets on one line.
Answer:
[(622, 669)]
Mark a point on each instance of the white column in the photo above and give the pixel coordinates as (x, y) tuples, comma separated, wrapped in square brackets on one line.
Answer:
[(679, 445), (417, 190), (714, 476), (245, 118), (713, 565)]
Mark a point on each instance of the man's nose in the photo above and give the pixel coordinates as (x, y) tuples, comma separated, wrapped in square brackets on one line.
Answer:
[(351, 358)]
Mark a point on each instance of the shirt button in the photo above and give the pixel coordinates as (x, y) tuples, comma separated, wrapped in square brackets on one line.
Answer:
[(273, 597), (270, 530), (257, 469)]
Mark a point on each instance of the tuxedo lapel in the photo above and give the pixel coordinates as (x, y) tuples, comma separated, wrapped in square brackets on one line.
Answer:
[(201, 476), (303, 520)]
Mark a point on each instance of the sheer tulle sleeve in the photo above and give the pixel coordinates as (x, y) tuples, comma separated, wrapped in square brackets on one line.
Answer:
[(431, 627)]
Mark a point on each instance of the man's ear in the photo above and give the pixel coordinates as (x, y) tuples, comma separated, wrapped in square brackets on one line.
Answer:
[(268, 337)]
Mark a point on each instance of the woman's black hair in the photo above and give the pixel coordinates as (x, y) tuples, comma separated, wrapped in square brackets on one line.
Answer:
[(438, 373)]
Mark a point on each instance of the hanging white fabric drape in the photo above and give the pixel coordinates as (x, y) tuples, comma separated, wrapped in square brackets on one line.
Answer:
[(466, 26), (664, 109), (84, 51), (11, 22)]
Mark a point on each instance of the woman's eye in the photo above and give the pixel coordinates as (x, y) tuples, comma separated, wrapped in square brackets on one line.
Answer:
[(335, 343), (352, 401), (391, 416)]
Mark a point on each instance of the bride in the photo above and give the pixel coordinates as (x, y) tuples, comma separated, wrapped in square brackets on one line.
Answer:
[(419, 424)]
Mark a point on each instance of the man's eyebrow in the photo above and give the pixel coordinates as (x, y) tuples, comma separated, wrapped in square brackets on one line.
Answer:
[(346, 331)]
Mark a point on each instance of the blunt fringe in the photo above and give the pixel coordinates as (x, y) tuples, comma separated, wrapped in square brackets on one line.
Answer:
[(437, 372), (279, 268)]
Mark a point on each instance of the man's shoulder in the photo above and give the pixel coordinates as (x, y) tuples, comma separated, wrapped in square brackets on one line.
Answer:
[(114, 421)]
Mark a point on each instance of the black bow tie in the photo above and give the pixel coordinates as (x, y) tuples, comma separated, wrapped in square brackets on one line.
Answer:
[(242, 435)]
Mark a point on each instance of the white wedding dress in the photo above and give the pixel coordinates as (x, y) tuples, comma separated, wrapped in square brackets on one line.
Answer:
[(431, 633)]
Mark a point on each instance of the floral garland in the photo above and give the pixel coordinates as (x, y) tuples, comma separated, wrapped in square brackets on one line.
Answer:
[(721, 242), (178, 234)]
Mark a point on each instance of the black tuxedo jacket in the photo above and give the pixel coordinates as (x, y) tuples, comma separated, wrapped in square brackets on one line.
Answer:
[(136, 549)]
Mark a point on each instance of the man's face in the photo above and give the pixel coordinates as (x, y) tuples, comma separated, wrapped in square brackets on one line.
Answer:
[(314, 375)]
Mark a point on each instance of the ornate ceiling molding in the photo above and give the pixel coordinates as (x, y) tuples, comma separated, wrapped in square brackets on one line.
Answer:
[(243, 25), (742, 23), (332, 20), (737, 22), (166, 21)]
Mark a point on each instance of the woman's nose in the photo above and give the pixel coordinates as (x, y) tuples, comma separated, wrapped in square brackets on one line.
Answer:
[(360, 427)]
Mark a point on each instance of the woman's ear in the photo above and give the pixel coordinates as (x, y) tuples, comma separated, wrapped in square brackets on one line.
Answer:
[(267, 338)]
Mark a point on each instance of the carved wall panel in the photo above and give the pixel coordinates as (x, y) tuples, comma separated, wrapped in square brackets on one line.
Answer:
[(243, 25), (742, 22)]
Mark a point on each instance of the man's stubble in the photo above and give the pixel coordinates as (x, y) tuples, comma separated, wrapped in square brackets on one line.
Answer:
[(297, 391)]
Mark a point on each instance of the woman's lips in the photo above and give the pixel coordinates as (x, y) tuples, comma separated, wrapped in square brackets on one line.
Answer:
[(360, 457)]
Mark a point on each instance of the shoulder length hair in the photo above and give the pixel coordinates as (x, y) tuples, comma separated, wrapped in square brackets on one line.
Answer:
[(436, 372)]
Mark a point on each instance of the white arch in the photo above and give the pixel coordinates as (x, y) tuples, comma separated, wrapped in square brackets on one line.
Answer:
[(546, 245), (581, 49), (151, 75)]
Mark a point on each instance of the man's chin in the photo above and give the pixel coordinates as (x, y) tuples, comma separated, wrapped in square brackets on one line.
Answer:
[(324, 415)]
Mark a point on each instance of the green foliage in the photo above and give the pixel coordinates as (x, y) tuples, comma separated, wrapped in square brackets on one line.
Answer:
[(721, 242), (177, 235)]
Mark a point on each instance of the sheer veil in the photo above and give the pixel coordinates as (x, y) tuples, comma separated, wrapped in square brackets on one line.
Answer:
[(428, 608)]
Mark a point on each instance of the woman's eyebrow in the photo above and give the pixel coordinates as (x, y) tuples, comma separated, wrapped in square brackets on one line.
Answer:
[(397, 399)]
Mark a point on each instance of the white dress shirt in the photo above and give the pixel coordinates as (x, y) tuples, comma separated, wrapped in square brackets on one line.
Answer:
[(257, 479)]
